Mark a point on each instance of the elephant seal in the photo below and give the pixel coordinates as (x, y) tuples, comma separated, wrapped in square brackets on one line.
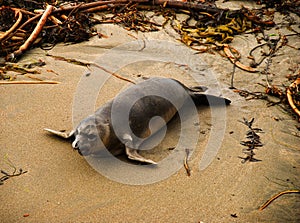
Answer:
[(150, 104)]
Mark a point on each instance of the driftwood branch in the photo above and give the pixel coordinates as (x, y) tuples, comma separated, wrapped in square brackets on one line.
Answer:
[(29, 82), (90, 5), (266, 204), (33, 35), (164, 3)]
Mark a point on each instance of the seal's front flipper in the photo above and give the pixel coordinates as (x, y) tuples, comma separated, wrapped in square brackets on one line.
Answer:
[(65, 135), (133, 155)]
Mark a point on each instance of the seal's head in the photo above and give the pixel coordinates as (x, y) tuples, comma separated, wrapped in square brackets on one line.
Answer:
[(90, 136)]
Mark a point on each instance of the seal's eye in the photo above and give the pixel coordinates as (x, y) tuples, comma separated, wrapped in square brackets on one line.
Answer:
[(91, 137)]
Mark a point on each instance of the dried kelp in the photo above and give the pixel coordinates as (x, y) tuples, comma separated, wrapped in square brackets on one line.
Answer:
[(26, 68), (5, 175), (252, 142), (75, 28), (73, 22), (207, 27), (248, 95), (287, 98), (131, 18)]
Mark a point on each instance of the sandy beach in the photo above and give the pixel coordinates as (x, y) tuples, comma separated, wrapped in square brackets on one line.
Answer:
[(61, 186)]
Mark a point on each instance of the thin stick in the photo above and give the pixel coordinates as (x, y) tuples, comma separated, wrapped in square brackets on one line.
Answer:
[(98, 8), (268, 62), (232, 76), (33, 36), (185, 163), (29, 21), (24, 11), (276, 196), (33, 77), (28, 82), (112, 73), (81, 63)]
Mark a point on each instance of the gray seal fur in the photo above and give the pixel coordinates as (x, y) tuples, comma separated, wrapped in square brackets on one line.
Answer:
[(97, 131)]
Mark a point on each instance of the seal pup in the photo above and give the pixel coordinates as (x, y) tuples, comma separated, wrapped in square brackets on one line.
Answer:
[(144, 102)]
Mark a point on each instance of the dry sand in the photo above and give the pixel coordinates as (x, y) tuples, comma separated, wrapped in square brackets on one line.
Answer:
[(61, 186)]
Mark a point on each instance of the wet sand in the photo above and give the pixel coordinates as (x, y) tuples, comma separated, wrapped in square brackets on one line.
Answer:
[(60, 185)]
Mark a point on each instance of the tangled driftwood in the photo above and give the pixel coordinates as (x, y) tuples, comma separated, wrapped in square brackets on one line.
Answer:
[(33, 36), (72, 23), (19, 16)]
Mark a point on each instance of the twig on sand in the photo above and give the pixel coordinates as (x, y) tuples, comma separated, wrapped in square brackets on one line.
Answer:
[(33, 36), (185, 163), (6, 175), (28, 82), (276, 196), (87, 64), (232, 76), (112, 73)]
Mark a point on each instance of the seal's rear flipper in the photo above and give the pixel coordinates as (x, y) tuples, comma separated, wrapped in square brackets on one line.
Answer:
[(206, 99), (65, 135), (133, 155)]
